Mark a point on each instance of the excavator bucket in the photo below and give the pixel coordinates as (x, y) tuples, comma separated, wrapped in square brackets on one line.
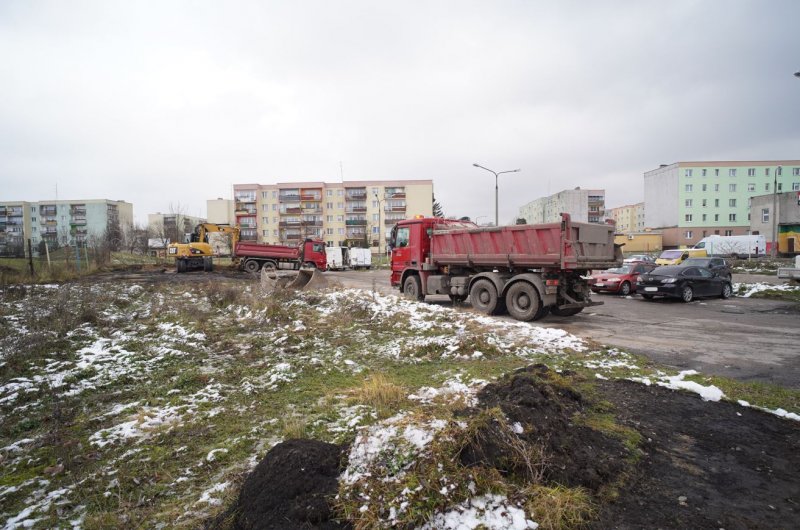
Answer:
[(308, 280), (302, 280)]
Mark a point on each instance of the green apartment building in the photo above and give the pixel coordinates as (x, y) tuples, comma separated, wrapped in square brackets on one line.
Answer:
[(688, 201), (59, 223)]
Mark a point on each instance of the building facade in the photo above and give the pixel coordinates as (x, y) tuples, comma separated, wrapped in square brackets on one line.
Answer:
[(348, 213), (60, 223), (787, 228), (172, 227), (629, 219), (586, 206), (688, 201), (220, 211)]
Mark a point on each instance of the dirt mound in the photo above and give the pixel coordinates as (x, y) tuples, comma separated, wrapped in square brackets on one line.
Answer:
[(574, 455), (290, 488), (705, 465)]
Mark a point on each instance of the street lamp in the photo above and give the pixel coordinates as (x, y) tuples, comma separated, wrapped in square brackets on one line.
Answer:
[(496, 174), (775, 212), (380, 226)]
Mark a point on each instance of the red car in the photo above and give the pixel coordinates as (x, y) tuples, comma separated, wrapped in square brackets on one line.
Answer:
[(621, 280)]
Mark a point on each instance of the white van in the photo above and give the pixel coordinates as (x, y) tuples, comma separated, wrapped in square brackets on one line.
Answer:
[(734, 246), (359, 258), (336, 257)]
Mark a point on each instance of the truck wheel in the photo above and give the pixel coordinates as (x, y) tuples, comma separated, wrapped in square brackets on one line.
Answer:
[(412, 288), (270, 266), (571, 311), (483, 297), (251, 265), (523, 301), (208, 265), (310, 265)]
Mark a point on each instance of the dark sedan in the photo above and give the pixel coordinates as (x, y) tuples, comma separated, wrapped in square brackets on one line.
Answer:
[(686, 283), (717, 265)]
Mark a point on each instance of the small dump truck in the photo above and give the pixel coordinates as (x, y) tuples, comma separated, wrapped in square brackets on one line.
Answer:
[(251, 257), (526, 270)]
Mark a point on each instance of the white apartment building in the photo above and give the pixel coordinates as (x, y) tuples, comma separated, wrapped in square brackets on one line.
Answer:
[(587, 206)]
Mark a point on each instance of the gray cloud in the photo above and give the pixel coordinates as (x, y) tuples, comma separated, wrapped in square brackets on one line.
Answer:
[(166, 102)]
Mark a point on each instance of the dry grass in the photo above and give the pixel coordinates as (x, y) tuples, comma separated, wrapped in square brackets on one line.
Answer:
[(294, 427), (558, 507), (382, 394)]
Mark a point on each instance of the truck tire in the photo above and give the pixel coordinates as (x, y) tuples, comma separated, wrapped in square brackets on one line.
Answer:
[(252, 265), (523, 302), (412, 288), (310, 265), (565, 312), (208, 265), (483, 297), (270, 266)]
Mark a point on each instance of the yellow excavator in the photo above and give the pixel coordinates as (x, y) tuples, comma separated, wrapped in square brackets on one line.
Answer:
[(197, 253)]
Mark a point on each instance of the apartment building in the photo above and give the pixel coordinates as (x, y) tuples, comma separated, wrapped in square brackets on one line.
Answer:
[(586, 206), (60, 223), (688, 201), (629, 219), (172, 226), (348, 213)]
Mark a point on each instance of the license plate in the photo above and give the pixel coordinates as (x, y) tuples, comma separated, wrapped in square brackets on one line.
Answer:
[(651, 289)]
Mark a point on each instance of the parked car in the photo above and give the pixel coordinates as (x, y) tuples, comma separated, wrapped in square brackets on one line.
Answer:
[(620, 280), (677, 256), (683, 282), (717, 265), (643, 258)]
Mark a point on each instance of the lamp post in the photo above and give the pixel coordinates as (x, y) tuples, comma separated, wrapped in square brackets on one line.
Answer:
[(380, 226), (496, 190), (775, 212)]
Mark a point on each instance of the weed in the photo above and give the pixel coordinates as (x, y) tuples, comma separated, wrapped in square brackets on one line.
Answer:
[(382, 394), (559, 507)]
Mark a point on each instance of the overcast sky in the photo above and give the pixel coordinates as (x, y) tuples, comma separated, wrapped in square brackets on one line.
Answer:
[(166, 102)]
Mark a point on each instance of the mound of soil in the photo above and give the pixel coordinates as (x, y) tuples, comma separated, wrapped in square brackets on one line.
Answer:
[(291, 488), (575, 455), (706, 465)]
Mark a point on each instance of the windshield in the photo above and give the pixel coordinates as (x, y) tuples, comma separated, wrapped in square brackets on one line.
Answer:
[(701, 262), (625, 269), (671, 254)]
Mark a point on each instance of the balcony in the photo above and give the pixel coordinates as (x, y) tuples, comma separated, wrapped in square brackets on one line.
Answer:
[(394, 195), (285, 224), (356, 222), (289, 197), (311, 211), (292, 237), (311, 223), (47, 210), (291, 211), (311, 196), (390, 208), (391, 222), (356, 209), (81, 211), (76, 221), (356, 195)]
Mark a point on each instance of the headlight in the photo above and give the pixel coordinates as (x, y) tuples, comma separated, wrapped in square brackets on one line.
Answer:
[(669, 280), (613, 280)]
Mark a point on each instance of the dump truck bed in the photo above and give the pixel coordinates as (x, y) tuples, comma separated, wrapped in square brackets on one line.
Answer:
[(565, 245), (260, 250)]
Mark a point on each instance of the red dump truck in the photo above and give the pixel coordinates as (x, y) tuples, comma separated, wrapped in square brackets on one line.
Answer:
[(253, 256), (527, 270)]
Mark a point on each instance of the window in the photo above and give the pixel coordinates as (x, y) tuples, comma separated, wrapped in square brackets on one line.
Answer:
[(375, 230), (704, 187), (796, 171), (274, 233), (704, 172), (795, 186), (329, 231), (779, 171), (265, 233), (780, 186), (751, 186), (375, 217), (329, 205), (339, 218), (687, 173), (766, 172), (732, 172), (688, 234), (274, 207), (264, 194), (374, 191), (329, 193), (732, 187), (766, 186), (704, 217), (716, 172), (716, 187), (688, 203), (704, 202), (265, 207), (732, 217), (716, 203), (728, 232), (340, 205), (751, 172), (732, 203), (275, 220), (716, 218), (265, 220), (688, 218), (374, 204), (689, 188), (765, 215)]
